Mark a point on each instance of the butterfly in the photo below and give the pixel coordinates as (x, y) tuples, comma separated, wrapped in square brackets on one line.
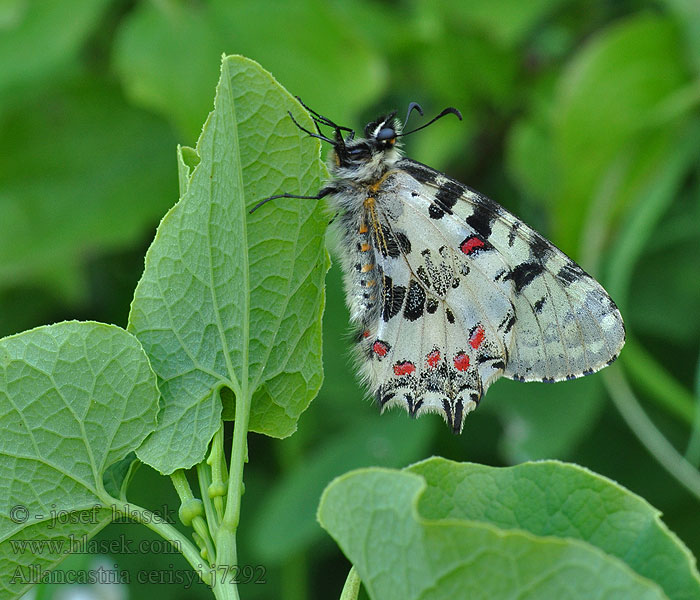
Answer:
[(447, 289)]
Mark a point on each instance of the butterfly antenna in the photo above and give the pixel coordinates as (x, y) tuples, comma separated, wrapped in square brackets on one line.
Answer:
[(448, 111), (411, 107)]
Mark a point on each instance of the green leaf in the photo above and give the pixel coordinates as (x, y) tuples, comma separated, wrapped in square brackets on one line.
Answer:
[(441, 529), (85, 171), (75, 398), (551, 498), (228, 300), (687, 14)]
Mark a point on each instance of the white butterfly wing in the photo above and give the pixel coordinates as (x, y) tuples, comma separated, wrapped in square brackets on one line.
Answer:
[(566, 324), (466, 293)]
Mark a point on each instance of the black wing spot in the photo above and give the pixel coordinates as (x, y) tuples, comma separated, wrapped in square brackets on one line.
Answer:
[(393, 298), (435, 212), (419, 172), (448, 194), (431, 306), (447, 407), (507, 323), (570, 273), (539, 304), (415, 301), (450, 315), (524, 274), (387, 243), (513, 232), (540, 247), (457, 422), (588, 372), (403, 242), (423, 276), (548, 380), (481, 220), (413, 406), (382, 398)]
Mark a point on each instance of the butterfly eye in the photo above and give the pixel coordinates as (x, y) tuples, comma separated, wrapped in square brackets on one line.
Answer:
[(386, 133)]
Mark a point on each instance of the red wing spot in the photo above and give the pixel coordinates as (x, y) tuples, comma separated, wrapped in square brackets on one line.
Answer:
[(433, 358), (477, 337), (471, 244), (365, 333), (404, 368), (461, 362), (380, 348)]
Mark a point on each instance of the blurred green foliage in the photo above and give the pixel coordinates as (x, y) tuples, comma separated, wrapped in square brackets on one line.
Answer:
[(580, 116)]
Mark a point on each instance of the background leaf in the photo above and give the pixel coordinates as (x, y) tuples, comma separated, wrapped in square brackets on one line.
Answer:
[(151, 42), (285, 521), (79, 186), (75, 398), (27, 54)]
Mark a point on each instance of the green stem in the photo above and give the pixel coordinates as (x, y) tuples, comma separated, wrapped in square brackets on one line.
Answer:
[(219, 474), (209, 512), (167, 532), (227, 557), (654, 441), (656, 383), (692, 454), (351, 589), (188, 502)]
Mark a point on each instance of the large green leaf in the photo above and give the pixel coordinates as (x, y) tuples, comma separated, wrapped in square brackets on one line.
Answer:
[(539, 530), (75, 399), (229, 301)]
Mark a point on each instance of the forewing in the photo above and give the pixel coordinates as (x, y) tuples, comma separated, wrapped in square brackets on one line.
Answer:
[(565, 324)]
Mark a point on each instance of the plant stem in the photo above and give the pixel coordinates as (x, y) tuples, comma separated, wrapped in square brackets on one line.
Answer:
[(204, 481), (351, 589), (654, 441), (166, 531), (226, 552)]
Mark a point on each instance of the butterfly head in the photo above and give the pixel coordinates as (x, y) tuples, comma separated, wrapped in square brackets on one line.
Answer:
[(377, 149), (367, 158)]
